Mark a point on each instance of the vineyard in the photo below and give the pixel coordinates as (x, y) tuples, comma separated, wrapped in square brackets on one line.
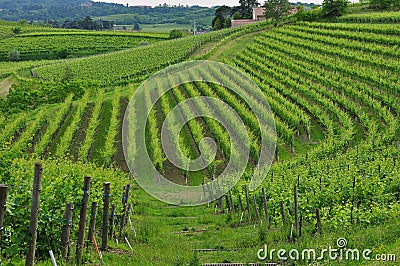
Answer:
[(334, 92), (42, 45)]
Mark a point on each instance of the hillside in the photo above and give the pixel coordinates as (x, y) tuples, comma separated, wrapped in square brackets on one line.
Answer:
[(322, 96), (44, 10)]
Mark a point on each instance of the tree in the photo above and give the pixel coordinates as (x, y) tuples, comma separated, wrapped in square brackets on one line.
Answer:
[(227, 23), (276, 9), (246, 8), (13, 55), (136, 26), (221, 14), (334, 8), (217, 24)]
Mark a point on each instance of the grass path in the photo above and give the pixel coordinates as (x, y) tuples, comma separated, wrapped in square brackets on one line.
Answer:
[(5, 85)]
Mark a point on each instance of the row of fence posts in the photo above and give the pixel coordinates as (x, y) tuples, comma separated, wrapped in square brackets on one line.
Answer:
[(251, 203), (210, 190), (108, 220)]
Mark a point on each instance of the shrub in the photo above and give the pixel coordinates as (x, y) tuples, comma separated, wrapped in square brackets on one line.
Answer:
[(13, 55)]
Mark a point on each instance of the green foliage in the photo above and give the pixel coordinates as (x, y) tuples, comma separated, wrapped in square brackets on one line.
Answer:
[(53, 126), (246, 8), (55, 13), (385, 4), (61, 44), (93, 124), (309, 15), (334, 8), (222, 18), (62, 182), (110, 147), (378, 18), (16, 30), (62, 53), (195, 261), (178, 33), (227, 23), (217, 24), (66, 139), (136, 26), (120, 67), (276, 9), (29, 94), (14, 55), (236, 15), (262, 233)]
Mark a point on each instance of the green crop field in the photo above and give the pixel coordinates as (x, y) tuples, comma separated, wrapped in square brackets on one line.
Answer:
[(55, 45), (332, 87)]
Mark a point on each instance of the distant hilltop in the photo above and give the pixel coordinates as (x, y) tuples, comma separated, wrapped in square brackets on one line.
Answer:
[(43, 10)]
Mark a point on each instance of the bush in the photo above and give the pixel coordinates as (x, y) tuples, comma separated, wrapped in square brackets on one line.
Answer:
[(13, 55), (176, 33), (16, 30)]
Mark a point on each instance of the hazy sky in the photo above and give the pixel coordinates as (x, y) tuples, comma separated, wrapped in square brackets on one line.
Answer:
[(191, 2)]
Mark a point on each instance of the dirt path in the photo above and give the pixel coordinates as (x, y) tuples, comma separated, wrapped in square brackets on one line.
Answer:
[(5, 85)]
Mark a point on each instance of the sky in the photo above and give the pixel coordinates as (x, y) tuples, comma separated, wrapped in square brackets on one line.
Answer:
[(191, 2)]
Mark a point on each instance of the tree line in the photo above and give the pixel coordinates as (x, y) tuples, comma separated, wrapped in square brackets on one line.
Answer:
[(84, 24)]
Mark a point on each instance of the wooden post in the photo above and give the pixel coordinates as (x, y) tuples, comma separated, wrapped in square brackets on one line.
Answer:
[(352, 200), (296, 211), (231, 200), (37, 184), (82, 220), (104, 229), (92, 225), (265, 207), (66, 230), (283, 213), (318, 225), (220, 203), (112, 222), (227, 203), (247, 203), (255, 207), (3, 201), (125, 198), (240, 204)]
